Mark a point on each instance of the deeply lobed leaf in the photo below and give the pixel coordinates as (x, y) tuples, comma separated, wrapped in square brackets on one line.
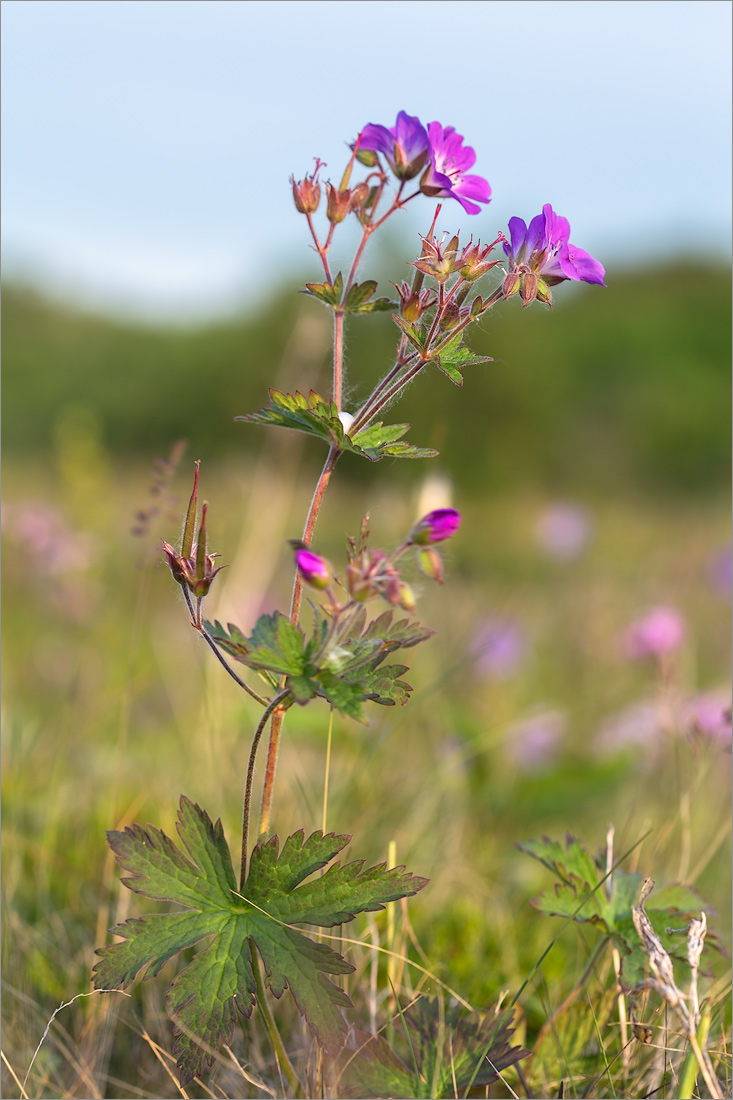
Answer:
[(205, 997)]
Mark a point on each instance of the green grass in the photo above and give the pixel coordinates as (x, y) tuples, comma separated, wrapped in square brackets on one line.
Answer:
[(113, 709)]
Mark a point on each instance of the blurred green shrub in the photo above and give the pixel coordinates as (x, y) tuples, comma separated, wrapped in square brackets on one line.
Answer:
[(613, 389)]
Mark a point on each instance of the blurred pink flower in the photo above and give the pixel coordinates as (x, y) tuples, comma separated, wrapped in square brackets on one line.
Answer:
[(533, 744), (709, 714), (500, 648), (660, 631), (43, 534), (636, 727), (563, 529), (721, 572)]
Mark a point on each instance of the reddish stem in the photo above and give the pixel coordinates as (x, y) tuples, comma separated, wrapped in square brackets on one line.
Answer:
[(278, 714)]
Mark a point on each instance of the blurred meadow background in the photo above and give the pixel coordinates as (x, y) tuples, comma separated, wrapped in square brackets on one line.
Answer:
[(580, 674)]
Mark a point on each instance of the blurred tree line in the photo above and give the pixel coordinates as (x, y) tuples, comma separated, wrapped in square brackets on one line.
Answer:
[(617, 389)]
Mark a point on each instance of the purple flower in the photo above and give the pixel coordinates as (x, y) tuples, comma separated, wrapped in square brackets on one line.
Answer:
[(500, 648), (535, 741), (446, 176), (709, 715), (542, 256), (659, 632), (563, 529), (404, 145), (314, 570), (636, 728), (436, 526)]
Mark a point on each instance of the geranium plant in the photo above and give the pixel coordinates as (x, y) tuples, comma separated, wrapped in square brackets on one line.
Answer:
[(345, 653)]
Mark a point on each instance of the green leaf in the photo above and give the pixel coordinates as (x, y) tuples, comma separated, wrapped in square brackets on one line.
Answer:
[(379, 305), (568, 1051), (453, 1051), (205, 997), (361, 670), (318, 417), (454, 356), (275, 648), (329, 293), (573, 897)]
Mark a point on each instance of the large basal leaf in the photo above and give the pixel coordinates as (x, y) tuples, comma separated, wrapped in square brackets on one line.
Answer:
[(444, 1054), (316, 416), (205, 997)]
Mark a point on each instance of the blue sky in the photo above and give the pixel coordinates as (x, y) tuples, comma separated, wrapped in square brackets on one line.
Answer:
[(147, 144)]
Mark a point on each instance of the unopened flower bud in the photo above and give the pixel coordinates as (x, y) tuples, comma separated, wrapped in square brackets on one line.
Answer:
[(449, 317), (436, 526), (511, 285), (528, 289), (431, 563), (359, 196), (314, 569), (338, 204), (359, 587), (406, 597), (367, 157)]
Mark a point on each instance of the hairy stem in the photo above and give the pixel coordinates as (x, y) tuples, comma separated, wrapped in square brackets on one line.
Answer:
[(271, 1028), (274, 703), (278, 713), (338, 356)]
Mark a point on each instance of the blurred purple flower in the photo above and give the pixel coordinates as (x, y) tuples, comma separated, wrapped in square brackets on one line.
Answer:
[(405, 145), (637, 727), (541, 255), (446, 176), (709, 714), (42, 532), (534, 742), (500, 648), (659, 632), (563, 529), (721, 571)]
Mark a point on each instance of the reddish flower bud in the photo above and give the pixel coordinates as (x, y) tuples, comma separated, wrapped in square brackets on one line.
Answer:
[(413, 302), (436, 526), (338, 204), (511, 285), (314, 570), (528, 288), (450, 317)]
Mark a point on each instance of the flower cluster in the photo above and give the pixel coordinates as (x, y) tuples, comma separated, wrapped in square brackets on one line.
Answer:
[(435, 151), (542, 256), (372, 573)]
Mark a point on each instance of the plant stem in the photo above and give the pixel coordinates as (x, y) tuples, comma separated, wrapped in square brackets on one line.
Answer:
[(278, 713), (274, 703), (338, 356), (271, 1027)]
